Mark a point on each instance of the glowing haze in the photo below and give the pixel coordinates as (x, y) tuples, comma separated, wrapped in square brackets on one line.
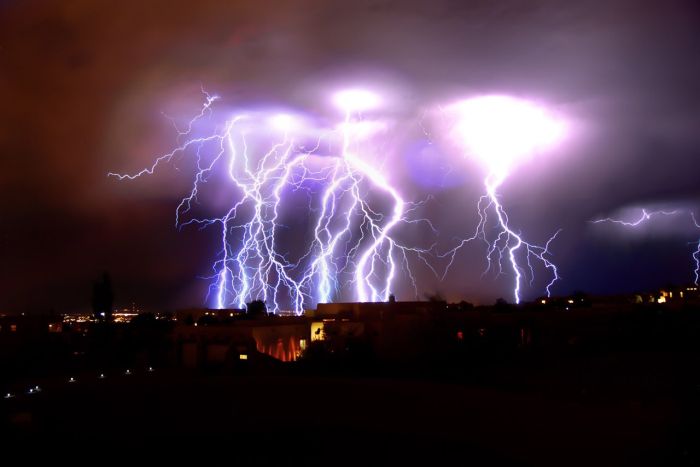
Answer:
[(500, 131), (356, 100)]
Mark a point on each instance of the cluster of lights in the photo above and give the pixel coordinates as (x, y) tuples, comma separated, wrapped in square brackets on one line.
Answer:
[(36, 389), (125, 315), (120, 317), (666, 296), (78, 318)]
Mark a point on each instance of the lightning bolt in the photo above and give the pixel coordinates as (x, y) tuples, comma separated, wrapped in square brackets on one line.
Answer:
[(506, 245), (498, 131), (647, 216), (378, 255), (351, 238), (644, 217), (696, 254)]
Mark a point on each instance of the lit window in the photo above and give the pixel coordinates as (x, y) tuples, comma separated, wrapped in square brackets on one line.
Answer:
[(243, 356), (317, 332), (13, 328)]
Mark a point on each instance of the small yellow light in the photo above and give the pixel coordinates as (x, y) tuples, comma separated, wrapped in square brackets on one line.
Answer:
[(544, 302), (243, 356)]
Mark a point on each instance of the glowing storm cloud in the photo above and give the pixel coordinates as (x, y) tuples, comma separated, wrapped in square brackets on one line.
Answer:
[(356, 100), (262, 158), (500, 131)]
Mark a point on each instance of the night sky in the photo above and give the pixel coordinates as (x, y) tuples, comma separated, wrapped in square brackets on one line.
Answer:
[(84, 87)]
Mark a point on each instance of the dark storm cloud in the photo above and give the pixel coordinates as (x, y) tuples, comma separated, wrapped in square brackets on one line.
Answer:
[(83, 85)]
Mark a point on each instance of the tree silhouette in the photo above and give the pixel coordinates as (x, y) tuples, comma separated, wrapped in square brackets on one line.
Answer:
[(256, 308), (464, 305), (102, 298), (434, 297)]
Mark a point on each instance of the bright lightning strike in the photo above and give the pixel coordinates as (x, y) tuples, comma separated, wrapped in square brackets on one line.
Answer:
[(499, 132), (352, 236), (696, 254), (647, 216), (375, 255)]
